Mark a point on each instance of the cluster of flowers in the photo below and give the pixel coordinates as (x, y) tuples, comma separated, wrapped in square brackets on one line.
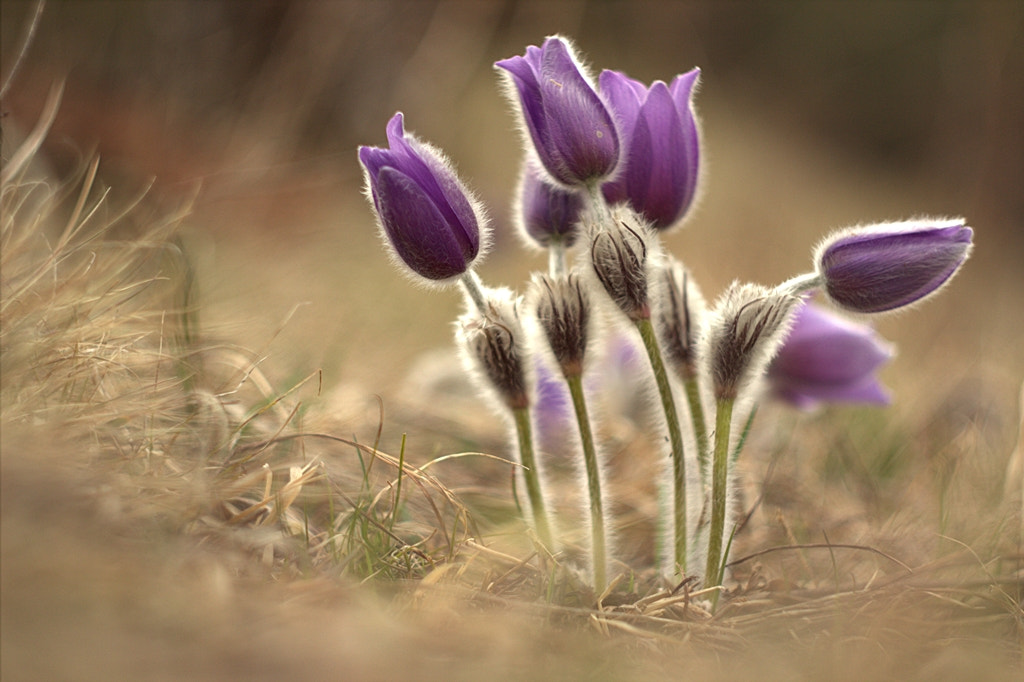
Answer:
[(607, 169)]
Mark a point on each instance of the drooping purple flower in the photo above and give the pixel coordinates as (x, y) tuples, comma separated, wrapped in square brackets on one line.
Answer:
[(547, 213), (572, 131), (883, 267), (428, 218), (828, 359), (661, 144)]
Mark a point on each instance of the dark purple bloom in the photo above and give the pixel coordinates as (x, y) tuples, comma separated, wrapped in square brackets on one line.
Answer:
[(548, 213), (572, 130), (661, 145), (827, 359), (427, 215), (879, 268)]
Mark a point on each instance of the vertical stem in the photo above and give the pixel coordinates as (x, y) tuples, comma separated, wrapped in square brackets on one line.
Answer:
[(719, 479), (556, 258), (472, 286), (668, 403), (524, 433), (597, 527), (700, 429)]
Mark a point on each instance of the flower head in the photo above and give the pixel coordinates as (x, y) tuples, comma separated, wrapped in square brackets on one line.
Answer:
[(429, 220), (827, 359), (572, 131), (744, 330), (662, 145), (547, 213), (563, 311), (620, 254), (493, 344), (679, 315), (888, 266)]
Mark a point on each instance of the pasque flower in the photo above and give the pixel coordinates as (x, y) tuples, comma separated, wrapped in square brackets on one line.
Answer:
[(547, 213), (429, 219), (660, 139), (883, 267), (572, 131), (827, 359), (744, 331), (619, 257)]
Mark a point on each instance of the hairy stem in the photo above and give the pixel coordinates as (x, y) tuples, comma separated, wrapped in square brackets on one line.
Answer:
[(524, 432), (700, 429), (597, 527), (719, 479), (668, 403), (474, 289)]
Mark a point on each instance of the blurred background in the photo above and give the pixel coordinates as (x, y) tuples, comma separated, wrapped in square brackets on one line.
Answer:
[(816, 115)]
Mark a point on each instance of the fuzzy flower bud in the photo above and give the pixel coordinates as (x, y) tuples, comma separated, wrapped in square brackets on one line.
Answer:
[(428, 218), (679, 316), (493, 344), (563, 311), (547, 213), (888, 266), (619, 255), (659, 132), (745, 329), (827, 359), (572, 131)]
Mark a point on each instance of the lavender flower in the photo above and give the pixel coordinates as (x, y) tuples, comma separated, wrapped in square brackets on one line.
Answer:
[(573, 132), (882, 267), (547, 213), (659, 132), (429, 220), (826, 359)]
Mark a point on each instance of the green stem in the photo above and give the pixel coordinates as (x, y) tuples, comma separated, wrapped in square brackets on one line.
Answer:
[(700, 429), (525, 435), (474, 288), (597, 531), (556, 258), (719, 479), (668, 403)]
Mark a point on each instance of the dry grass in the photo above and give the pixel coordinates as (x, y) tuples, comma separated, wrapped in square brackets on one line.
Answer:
[(170, 513)]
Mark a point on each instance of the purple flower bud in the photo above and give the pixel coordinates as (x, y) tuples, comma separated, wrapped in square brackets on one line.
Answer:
[(427, 216), (882, 267), (547, 213), (572, 130), (827, 359), (662, 142)]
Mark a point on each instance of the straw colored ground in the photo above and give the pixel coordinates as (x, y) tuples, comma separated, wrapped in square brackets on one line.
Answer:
[(227, 454)]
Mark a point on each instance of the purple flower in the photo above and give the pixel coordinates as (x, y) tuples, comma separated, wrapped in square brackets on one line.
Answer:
[(572, 131), (827, 359), (660, 136), (882, 267), (547, 213), (428, 218)]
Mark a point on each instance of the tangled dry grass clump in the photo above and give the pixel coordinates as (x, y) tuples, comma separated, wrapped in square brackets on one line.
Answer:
[(161, 497)]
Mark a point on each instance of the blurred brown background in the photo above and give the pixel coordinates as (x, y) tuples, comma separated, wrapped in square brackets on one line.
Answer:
[(816, 115)]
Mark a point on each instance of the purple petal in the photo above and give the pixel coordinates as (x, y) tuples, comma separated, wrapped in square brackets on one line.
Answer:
[(827, 358), (889, 266)]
